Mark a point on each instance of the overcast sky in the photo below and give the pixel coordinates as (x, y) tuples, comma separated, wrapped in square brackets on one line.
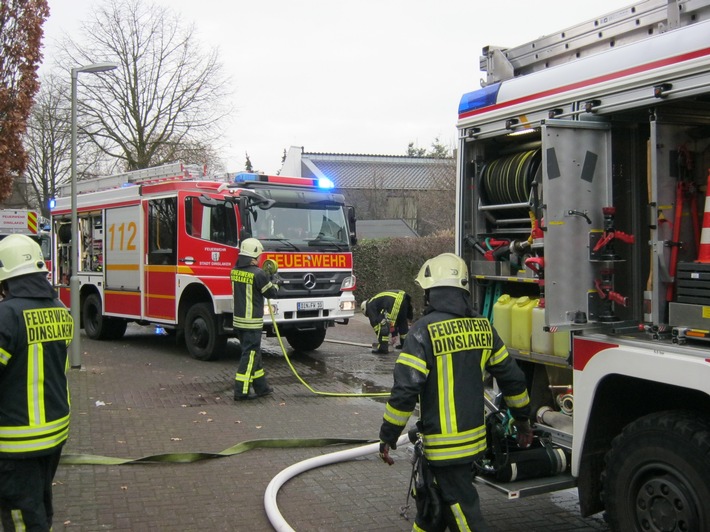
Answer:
[(367, 76)]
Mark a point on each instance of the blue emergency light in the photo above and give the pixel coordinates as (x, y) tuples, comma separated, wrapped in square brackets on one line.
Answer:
[(322, 182), (479, 99)]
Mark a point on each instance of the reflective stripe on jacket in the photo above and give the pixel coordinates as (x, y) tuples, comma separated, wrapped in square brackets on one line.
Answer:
[(250, 285), (442, 366), (34, 394)]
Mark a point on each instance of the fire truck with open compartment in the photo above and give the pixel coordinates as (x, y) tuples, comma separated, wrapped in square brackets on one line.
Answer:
[(583, 168), (156, 246)]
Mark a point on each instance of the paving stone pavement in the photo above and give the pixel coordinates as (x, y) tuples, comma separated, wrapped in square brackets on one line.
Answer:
[(143, 396)]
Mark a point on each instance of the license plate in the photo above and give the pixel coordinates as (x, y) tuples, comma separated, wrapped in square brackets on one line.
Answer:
[(310, 305)]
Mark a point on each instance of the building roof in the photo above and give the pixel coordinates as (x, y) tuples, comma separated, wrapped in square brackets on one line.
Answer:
[(358, 171), (371, 229)]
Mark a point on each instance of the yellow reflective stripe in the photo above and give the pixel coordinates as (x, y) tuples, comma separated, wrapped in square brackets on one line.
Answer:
[(453, 453), (4, 357), (259, 373), (35, 385), (38, 444), (499, 356), (396, 417), (247, 323), (246, 377), (460, 518), (517, 401), (413, 362), (34, 431), (416, 528), (395, 306), (434, 440), (445, 387), (249, 308), (267, 286), (33, 438), (18, 521)]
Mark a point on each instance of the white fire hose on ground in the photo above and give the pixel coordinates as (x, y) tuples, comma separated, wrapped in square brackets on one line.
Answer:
[(272, 510)]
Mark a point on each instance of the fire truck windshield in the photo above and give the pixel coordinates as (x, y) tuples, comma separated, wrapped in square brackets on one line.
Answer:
[(302, 226)]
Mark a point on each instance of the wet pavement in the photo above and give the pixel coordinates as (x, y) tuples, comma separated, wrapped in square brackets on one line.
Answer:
[(144, 396)]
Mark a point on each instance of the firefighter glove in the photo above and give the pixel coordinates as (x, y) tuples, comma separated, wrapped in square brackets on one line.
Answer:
[(385, 452), (524, 433)]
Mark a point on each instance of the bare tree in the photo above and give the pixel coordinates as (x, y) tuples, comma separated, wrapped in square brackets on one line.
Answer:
[(48, 141), (20, 38), (48, 144), (167, 94)]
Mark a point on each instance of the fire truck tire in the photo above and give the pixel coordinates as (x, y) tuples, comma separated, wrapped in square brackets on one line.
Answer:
[(201, 337), (96, 325), (306, 340), (657, 474)]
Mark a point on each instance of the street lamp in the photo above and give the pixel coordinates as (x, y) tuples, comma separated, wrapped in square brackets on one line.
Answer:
[(75, 354)]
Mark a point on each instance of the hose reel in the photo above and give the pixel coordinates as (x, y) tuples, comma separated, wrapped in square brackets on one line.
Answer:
[(508, 180)]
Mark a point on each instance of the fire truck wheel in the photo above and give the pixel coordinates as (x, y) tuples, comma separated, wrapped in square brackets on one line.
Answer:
[(96, 325), (201, 337), (306, 340), (657, 474)]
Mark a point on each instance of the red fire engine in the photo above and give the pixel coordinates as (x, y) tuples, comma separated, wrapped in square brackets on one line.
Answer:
[(156, 246)]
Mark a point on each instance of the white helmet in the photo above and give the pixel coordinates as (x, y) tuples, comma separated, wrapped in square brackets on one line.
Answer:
[(251, 247), (363, 306), (446, 269), (20, 255)]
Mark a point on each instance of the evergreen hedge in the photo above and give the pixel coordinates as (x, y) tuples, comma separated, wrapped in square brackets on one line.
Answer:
[(393, 263)]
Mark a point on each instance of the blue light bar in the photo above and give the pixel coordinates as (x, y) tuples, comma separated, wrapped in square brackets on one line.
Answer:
[(479, 99), (242, 177), (324, 182)]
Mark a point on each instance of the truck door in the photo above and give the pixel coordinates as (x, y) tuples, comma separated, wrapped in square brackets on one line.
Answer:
[(576, 164), (160, 258)]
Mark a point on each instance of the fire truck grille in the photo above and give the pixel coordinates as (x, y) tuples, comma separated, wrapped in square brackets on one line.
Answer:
[(314, 284)]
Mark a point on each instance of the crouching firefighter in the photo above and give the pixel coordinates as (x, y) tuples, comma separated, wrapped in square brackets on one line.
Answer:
[(389, 312), (442, 366)]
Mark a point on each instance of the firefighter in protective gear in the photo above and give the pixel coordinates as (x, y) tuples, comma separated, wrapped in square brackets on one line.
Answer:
[(34, 395), (442, 367), (250, 286), (389, 312)]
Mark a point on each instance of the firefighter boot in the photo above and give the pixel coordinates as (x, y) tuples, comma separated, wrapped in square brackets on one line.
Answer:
[(262, 388), (381, 348)]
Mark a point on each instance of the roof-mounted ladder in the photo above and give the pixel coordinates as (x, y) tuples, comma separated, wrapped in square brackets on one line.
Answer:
[(170, 171), (629, 24)]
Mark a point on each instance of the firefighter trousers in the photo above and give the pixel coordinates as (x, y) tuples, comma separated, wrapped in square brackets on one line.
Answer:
[(462, 507), (250, 372), (26, 492)]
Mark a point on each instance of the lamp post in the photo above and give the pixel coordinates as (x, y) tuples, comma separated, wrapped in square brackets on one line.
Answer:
[(75, 354)]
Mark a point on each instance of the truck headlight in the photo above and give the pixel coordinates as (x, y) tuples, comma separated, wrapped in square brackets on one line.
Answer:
[(348, 284), (347, 305)]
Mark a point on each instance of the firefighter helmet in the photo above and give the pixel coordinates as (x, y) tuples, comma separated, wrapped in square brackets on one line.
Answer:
[(251, 247), (446, 269), (20, 255), (363, 306)]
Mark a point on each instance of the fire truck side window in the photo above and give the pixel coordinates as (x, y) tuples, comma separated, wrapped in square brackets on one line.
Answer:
[(162, 224), (215, 223)]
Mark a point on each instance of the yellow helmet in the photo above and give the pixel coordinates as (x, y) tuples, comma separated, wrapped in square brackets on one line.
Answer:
[(20, 255), (251, 247), (446, 269)]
